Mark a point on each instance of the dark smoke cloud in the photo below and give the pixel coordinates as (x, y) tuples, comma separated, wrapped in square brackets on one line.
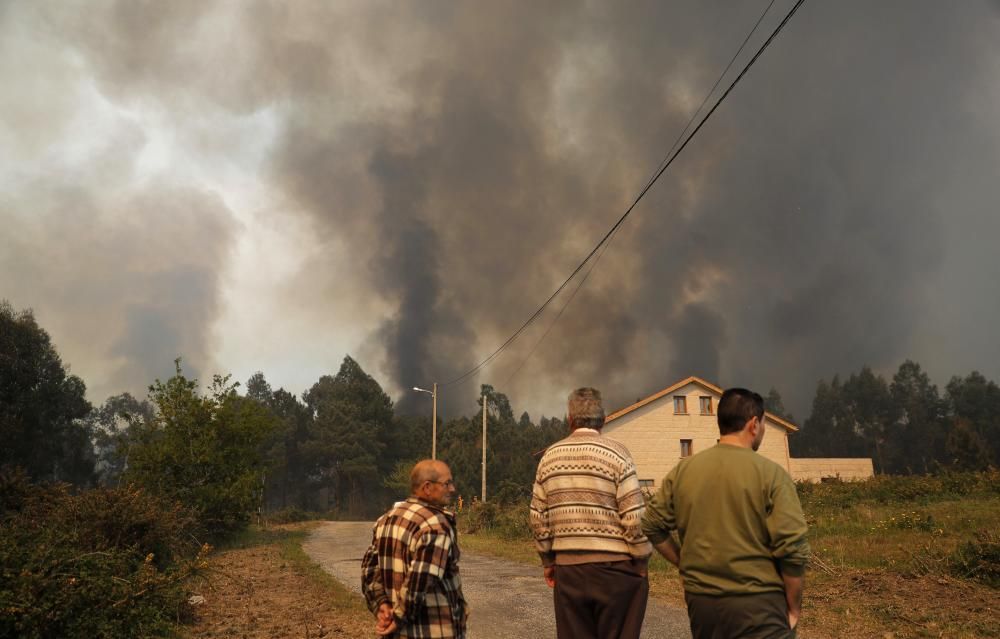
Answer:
[(461, 159), (127, 281)]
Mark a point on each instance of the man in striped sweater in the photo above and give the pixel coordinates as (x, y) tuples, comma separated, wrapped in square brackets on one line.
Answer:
[(586, 509)]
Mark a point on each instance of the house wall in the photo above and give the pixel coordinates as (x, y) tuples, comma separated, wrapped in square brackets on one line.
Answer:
[(653, 432), (815, 469)]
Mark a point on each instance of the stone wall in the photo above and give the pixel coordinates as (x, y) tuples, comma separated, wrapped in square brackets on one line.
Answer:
[(817, 469)]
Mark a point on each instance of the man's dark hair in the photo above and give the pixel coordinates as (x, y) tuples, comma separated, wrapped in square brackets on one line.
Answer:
[(736, 408)]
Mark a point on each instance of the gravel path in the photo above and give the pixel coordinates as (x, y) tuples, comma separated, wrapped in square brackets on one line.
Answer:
[(505, 598)]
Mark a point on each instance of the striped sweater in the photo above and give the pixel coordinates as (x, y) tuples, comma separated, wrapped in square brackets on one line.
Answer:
[(586, 504)]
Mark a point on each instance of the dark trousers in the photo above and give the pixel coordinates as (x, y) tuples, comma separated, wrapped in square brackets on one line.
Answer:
[(605, 600), (758, 616)]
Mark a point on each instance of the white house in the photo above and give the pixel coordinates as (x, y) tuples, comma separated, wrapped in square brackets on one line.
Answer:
[(680, 420)]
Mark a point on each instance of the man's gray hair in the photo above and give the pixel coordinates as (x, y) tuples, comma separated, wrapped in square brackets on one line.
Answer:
[(585, 409)]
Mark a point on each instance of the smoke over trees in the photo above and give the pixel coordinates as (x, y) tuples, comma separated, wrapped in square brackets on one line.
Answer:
[(408, 183)]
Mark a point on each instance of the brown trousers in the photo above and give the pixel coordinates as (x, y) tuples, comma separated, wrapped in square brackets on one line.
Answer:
[(759, 616), (605, 600)]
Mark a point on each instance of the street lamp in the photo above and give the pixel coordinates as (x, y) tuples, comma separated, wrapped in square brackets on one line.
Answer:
[(434, 418)]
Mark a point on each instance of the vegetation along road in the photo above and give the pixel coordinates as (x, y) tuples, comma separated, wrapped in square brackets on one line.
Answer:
[(506, 598)]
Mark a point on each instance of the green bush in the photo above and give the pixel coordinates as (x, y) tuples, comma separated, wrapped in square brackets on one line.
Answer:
[(203, 451), (290, 515), (512, 493), (979, 559), (508, 521), (892, 489), (102, 563)]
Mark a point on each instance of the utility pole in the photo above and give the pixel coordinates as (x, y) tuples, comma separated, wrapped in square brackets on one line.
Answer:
[(484, 449), (434, 418)]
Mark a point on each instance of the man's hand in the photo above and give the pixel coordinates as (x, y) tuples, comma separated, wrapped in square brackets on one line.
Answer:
[(550, 575), (642, 563), (388, 630), (385, 623), (793, 597), (669, 550)]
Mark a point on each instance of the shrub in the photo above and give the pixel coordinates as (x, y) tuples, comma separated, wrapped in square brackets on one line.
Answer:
[(512, 493), (891, 489), (505, 521), (979, 559), (203, 451), (290, 515), (103, 563)]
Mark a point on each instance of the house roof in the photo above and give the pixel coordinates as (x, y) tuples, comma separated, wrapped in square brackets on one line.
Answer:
[(684, 382)]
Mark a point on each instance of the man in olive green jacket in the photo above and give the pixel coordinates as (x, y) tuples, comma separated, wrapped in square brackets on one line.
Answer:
[(742, 533)]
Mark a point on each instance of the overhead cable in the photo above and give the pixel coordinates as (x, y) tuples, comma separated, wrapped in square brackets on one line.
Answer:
[(635, 202), (666, 157)]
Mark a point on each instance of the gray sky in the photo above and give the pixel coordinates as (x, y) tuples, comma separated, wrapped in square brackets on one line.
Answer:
[(270, 186)]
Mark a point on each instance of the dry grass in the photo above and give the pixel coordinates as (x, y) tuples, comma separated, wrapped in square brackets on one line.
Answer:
[(880, 570), (878, 603), (519, 550), (267, 587)]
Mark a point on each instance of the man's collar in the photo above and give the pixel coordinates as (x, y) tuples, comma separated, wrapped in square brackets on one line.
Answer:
[(589, 431), (426, 504)]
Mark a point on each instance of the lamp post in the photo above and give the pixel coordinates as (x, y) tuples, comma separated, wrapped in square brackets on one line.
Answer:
[(434, 418)]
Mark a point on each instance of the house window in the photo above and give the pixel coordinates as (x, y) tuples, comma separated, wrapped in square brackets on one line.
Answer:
[(706, 405), (680, 405), (685, 448), (645, 483)]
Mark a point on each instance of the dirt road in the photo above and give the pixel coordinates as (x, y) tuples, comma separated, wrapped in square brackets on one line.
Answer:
[(508, 600)]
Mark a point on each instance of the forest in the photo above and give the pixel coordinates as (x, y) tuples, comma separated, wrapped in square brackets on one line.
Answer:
[(342, 449)]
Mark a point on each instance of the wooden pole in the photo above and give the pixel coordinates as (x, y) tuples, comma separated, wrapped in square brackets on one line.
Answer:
[(484, 449)]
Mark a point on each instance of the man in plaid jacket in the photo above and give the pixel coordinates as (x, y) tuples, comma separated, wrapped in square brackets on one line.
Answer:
[(409, 575)]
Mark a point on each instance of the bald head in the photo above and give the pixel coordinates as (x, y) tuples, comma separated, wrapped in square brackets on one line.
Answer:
[(426, 470)]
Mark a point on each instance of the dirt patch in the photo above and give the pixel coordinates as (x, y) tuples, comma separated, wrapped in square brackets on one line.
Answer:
[(870, 603), (255, 593)]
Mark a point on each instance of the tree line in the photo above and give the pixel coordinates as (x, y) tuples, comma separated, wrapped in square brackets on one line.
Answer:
[(904, 424), (341, 446)]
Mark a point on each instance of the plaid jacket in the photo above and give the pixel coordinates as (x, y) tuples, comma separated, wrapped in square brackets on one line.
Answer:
[(412, 564)]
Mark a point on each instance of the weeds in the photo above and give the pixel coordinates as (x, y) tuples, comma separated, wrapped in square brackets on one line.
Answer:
[(908, 520), (979, 559), (504, 521)]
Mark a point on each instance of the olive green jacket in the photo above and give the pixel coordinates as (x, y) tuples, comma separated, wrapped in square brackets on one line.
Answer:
[(738, 519)]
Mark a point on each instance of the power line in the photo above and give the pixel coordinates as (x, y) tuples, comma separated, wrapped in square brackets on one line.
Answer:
[(712, 90), (635, 202), (677, 141), (576, 290)]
